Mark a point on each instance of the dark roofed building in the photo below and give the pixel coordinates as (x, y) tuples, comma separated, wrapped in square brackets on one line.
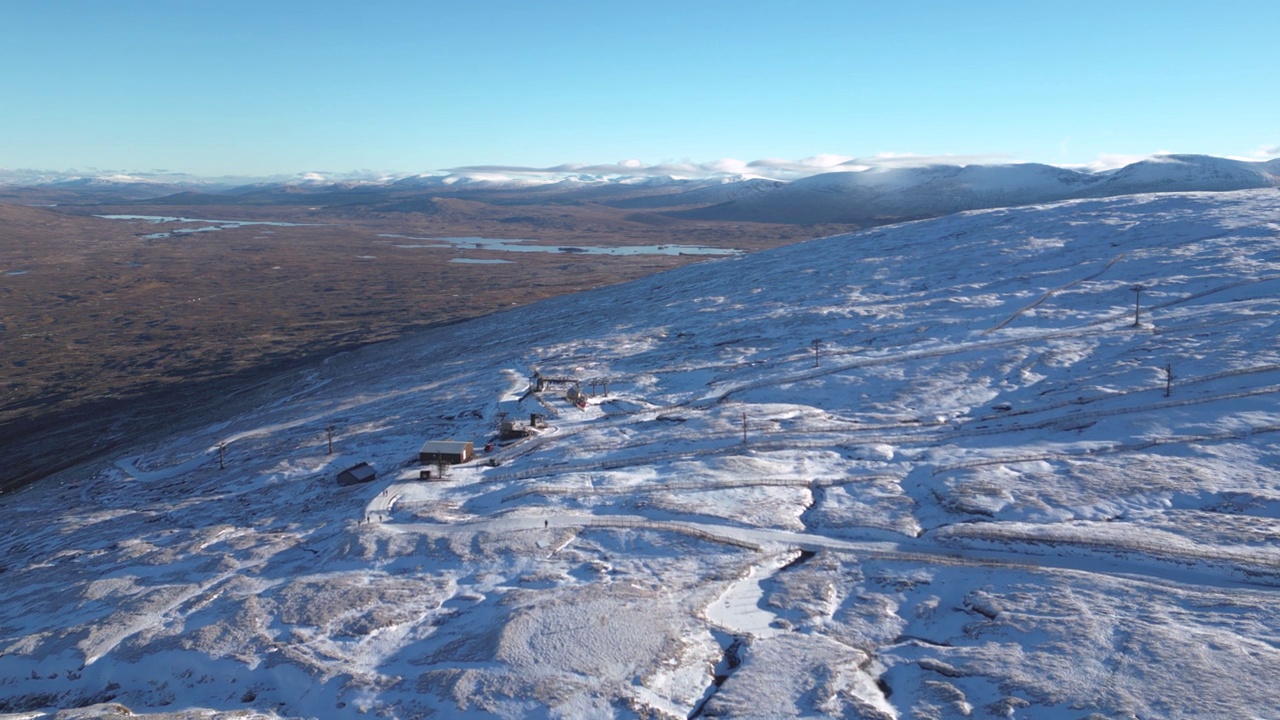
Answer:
[(356, 474)]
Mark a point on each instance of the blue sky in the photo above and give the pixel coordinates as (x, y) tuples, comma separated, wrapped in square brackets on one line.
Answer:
[(260, 88)]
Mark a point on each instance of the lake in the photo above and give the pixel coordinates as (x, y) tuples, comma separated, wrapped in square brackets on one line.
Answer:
[(518, 245), (217, 224)]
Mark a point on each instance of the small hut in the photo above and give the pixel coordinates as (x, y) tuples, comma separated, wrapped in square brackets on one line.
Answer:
[(356, 474), (450, 451), (512, 429)]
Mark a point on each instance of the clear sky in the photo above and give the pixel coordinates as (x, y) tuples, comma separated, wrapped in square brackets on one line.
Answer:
[(270, 87)]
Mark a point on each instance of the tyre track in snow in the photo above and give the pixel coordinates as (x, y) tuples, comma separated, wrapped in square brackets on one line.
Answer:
[(1168, 303), (1182, 383), (696, 486), (1050, 293), (1155, 565), (1109, 450), (1075, 420)]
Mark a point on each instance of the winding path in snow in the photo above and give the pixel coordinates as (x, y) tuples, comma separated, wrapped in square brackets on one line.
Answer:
[(1051, 292), (1167, 567)]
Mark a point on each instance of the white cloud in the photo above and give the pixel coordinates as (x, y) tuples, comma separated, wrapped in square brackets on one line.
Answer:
[(897, 160), (728, 166), (1264, 152), (1108, 161), (799, 168), (725, 166)]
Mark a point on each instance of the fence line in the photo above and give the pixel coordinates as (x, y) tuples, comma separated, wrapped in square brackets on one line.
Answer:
[(1110, 450), (694, 485), (1249, 562)]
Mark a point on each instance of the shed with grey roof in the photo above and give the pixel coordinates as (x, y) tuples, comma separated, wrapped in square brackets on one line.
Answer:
[(356, 474)]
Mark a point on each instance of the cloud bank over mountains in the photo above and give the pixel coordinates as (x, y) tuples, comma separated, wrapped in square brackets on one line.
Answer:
[(769, 168)]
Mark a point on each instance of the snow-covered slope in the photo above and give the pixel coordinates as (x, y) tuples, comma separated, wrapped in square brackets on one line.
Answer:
[(880, 194), (122, 186), (703, 194), (1172, 173), (930, 470)]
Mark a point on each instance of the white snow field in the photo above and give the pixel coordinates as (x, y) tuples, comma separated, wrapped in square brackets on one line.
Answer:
[(980, 503)]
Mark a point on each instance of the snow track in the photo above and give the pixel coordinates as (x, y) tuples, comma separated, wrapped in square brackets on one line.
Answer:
[(692, 486), (1050, 293), (1154, 563)]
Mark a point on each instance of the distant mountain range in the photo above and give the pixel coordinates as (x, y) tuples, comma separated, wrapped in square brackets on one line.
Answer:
[(917, 192), (863, 197)]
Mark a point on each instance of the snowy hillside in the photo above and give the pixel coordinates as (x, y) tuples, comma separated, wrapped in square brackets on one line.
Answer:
[(1170, 173), (869, 195), (708, 194), (932, 470), (124, 186), (877, 194)]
